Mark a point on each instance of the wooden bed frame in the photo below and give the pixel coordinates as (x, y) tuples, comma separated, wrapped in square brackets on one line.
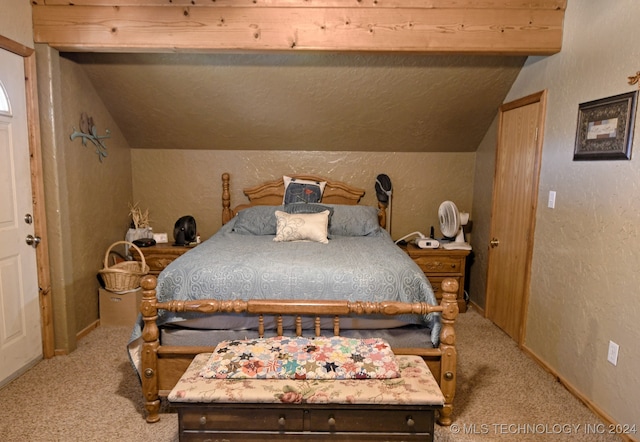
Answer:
[(162, 366)]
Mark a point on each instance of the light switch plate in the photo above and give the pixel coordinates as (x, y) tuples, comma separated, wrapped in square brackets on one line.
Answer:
[(612, 356), (552, 199)]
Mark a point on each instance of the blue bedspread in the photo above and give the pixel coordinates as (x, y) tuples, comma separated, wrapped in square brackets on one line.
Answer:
[(231, 265)]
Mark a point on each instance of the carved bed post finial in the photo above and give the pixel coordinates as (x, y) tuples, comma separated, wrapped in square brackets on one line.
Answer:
[(382, 215), (226, 199), (448, 348), (149, 357)]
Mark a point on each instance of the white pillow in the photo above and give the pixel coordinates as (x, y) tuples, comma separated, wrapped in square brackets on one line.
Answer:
[(302, 226), (302, 191)]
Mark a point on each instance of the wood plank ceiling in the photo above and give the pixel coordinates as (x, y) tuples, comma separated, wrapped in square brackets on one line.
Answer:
[(354, 75), (514, 27)]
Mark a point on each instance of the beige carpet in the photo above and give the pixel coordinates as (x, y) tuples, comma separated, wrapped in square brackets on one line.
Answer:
[(94, 395)]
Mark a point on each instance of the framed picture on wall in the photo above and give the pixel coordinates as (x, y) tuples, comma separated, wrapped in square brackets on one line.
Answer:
[(605, 128)]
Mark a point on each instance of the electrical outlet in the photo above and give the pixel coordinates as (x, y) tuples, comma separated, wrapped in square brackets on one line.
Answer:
[(613, 353)]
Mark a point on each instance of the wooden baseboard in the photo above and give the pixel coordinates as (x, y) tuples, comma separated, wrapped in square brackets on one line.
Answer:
[(81, 334), (88, 329), (477, 308), (574, 391), (570, 388)]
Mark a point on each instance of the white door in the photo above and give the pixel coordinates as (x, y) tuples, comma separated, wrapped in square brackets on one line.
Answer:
[(20, 335)]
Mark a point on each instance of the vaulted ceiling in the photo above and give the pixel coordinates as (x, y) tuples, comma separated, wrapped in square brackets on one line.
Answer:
[(401, 75), (309, 101)]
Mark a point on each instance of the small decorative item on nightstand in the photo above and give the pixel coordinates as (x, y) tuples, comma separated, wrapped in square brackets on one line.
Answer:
[(161, 237), (139, 227)]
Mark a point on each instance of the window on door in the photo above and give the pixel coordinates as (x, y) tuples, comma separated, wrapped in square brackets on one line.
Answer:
[(5, 107)]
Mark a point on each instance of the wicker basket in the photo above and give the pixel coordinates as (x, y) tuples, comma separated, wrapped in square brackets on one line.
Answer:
[(123, 276)]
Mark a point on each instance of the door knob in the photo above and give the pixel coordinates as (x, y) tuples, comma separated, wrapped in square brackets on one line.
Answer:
[(494, 242), (33, 240)]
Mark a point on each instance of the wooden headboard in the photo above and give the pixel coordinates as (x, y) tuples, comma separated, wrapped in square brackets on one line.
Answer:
[(271, 193)]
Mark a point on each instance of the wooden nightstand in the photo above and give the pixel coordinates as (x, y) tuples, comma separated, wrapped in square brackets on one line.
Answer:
[(160, 255), (438, 264)]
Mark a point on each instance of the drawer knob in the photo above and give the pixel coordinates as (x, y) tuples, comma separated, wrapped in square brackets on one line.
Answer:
[(410, 421), (203, 420), (281, 421), (332, 421)]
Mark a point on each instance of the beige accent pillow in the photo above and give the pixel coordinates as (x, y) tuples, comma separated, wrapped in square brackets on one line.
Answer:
[(302, 226)]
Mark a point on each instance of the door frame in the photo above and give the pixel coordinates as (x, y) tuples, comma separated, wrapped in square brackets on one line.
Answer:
[(538, 97), (37, 191)]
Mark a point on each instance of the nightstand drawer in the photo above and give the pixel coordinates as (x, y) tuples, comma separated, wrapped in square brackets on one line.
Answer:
[(158, 263), (440, 264), (248, 419), (160, 256)]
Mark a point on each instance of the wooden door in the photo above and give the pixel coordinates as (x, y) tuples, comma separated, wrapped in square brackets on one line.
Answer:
[(20, 332), (515, 195)]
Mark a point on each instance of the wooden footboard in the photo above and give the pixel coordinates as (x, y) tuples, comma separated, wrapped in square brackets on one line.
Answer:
[(162, 366)]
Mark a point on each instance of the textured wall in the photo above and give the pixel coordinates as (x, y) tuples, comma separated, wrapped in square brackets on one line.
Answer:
[(87, 201), (585, 277), (311, 101), (172, 183), (99, 192), (482, 196)]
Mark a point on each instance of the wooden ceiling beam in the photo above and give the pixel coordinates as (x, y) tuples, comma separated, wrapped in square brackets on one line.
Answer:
[(508, 27)]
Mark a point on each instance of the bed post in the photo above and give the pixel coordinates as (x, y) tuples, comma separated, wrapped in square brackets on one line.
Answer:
[(448, 347), (226, 199), (382, 215), (149, 357)]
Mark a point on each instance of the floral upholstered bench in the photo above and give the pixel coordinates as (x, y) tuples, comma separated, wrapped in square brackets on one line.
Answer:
[(220, 398)]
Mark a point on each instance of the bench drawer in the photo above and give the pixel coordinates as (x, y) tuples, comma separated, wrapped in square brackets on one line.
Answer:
[(372, 421), (248, 419)]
